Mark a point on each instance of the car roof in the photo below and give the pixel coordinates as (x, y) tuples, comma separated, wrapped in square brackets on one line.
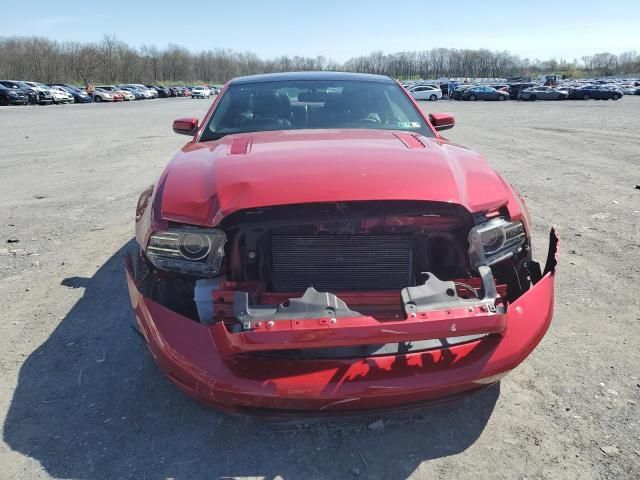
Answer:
[(279, 77)]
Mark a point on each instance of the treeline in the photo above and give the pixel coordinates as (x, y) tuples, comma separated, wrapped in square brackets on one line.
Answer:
[(113, 61)]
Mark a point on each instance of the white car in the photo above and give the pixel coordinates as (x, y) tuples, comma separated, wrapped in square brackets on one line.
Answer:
[(60, 95), (426, 92), (628, 89), (39, 87), (100, 95), (200, 92)]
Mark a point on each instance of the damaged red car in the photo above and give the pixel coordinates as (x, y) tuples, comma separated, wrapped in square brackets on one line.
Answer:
[(318, 246)]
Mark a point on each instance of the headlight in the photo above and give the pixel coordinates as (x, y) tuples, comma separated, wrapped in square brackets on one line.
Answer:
[(495, 240), (190, 250)]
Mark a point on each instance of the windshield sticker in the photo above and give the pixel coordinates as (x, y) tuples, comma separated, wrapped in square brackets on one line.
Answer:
[(408, 124)]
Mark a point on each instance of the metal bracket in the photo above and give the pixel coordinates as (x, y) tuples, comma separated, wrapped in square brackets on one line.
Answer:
[(312, 304), (436, 294)]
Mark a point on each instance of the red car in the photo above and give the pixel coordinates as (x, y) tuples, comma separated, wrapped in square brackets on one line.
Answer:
[(319, 247)]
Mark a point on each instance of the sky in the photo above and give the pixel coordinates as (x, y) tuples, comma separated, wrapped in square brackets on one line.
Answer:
[(340, 30)]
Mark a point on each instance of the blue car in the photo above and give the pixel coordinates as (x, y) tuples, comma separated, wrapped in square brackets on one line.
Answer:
[(597, 92)]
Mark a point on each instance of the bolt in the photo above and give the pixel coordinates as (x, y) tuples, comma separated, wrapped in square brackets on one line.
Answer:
[(470, 309), (270, 323), (413, 315), (332, 320), (252, 254), (453, 327)]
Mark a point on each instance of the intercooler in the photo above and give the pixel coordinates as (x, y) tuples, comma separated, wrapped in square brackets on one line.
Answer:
[(340, 262)]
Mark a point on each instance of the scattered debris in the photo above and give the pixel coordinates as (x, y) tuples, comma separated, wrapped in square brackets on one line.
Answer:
[(610, 450), (573, 252), (363, 460), (355, 472), (39, 197), (377, 425), (637, 187), (611, 391), (614, 201), (12, 240)]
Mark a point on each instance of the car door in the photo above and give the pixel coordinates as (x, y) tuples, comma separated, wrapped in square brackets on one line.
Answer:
[(545, 93), (418, 93), (488, 93)]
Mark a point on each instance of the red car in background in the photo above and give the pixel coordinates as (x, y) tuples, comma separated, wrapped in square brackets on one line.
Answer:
[(319, 247)]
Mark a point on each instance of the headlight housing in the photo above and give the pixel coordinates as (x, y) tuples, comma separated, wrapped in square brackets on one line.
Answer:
[(189, 250), (495, 240)]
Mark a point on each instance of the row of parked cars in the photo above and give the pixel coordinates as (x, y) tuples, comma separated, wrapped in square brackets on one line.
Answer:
[(529, 91), (18, 92)]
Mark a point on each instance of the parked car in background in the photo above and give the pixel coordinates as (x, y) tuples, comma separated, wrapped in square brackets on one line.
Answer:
[(457, 92), (426, 92), (542, 93), (628, 89), (461, 301), (60, 95), (22, 89), (79, 95), (200, 92), (12, 96), (149, 92), (138, 93), (162, 91), (43, 92), (100, 95), (125, 94), (483, 93), (517, 87), (596, 92)]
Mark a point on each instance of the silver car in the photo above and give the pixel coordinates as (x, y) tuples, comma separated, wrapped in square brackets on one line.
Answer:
[(542, 93)]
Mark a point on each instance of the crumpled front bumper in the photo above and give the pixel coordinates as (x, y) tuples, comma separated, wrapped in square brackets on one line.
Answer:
[(217, 367)]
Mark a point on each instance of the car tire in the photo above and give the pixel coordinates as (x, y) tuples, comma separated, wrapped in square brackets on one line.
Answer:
[(433, 98), (586, 96), (533, 98), (501, 98), (97, 99), (472, 98), (615, 96)]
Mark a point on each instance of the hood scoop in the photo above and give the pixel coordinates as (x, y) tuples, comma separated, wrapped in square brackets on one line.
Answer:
[(240, 146), (410, 140)]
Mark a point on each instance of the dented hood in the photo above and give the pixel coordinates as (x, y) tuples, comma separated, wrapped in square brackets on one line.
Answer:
[(208, 181)]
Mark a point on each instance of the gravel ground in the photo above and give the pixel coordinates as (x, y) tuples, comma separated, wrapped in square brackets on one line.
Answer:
[(81, 398)]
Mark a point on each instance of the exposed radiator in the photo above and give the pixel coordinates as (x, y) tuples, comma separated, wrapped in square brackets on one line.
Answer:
[(340, 262)]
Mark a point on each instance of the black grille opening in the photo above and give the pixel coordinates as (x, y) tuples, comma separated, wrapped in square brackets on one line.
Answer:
[(340, 262)]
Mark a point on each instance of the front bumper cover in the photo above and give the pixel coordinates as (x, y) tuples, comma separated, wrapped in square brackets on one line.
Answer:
[(217, 367)]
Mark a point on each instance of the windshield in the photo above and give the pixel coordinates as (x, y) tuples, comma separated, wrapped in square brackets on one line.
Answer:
[(312, 104)]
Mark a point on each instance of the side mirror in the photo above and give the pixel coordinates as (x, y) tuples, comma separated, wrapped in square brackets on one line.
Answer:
[(442, 121), (186, 126)]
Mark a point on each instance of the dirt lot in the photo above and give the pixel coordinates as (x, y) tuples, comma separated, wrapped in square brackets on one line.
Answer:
[(81, 398)]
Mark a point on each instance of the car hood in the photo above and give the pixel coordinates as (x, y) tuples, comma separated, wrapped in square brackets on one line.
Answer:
[(208, 181)]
